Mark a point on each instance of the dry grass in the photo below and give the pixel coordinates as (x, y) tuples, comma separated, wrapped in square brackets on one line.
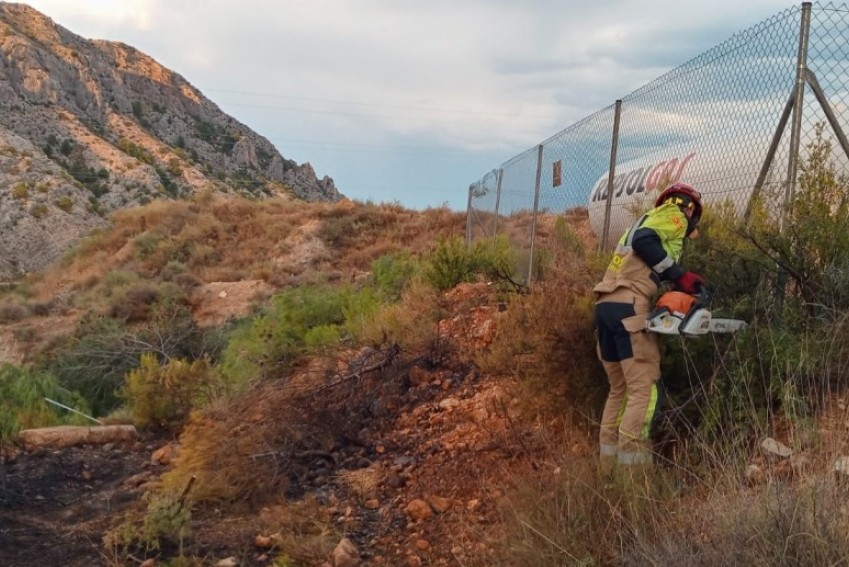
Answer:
[(228, 239), (301, 531), (251, 448), (571, 513), (285, 243), (241, 450), (546, 337), (412, 323), (362, 482)]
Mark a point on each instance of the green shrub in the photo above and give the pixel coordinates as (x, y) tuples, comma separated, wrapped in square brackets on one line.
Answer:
[(38, 211), (298, 321), (116, 279), (135, 303), (147, 243), (138, 110), (20, 191), (453, 262), (172, 269), (136, 151), (338, 232), (164, 394), (450, 264), (166, 523), (788, 283), (392, 273), (22, 403), (358, 307), (95, 360), (65, 203)]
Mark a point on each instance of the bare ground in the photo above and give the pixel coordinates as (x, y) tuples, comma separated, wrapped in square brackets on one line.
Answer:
[(55, 505)]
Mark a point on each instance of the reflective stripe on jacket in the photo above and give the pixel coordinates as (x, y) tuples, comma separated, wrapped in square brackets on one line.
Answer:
[(647, 253)]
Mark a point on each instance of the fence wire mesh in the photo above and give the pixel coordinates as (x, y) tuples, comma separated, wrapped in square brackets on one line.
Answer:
[(721, 122)]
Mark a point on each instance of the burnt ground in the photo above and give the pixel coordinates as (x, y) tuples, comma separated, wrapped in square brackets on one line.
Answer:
[(56, 504), (417, 482)]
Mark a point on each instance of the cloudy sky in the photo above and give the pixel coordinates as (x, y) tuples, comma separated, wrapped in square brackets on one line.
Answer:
[(410, 100)]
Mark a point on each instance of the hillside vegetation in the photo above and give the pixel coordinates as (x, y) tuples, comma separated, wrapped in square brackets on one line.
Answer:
[(386, 395)]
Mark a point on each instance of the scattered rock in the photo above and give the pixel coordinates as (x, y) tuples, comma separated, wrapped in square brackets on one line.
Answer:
[(345, 554), (419, 376), (775, 449), (263, 542), (164, 455), (395, 480), (228, 562), (480, 414), (418, 510), (148, 562), (440, 505)]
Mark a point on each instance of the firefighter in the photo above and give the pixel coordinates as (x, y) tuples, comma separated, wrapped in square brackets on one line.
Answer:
[(647, 254)]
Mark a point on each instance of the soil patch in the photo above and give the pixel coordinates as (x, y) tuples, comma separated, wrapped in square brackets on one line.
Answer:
[(56, 505)]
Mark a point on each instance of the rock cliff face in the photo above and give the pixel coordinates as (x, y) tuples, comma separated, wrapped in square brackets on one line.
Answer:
[(88, 127)]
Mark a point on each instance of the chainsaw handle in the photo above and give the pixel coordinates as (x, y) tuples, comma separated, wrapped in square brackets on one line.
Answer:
[(704, 294)]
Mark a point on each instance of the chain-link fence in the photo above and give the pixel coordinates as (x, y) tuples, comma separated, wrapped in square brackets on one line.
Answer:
[(730, 122)]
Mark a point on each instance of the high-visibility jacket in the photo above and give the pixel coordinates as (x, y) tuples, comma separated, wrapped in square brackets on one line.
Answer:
[(647, 253)]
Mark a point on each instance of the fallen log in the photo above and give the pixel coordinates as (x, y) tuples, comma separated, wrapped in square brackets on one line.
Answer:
[(69, 435)]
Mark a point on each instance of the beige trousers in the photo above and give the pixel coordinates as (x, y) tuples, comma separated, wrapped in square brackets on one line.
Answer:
[(633, 370)]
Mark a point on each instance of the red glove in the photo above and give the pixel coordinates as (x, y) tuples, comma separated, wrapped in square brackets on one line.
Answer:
[(689, 283)]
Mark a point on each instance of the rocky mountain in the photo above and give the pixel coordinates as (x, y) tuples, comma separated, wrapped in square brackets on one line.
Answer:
[(89, 126)]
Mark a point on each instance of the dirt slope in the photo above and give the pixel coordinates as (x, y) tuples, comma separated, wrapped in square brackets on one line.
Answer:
[(416, 480)]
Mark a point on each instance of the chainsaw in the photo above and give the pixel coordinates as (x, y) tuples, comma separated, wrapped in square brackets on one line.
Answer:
[(679, 313)]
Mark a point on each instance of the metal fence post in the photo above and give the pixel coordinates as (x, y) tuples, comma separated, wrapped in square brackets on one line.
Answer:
[(536, 208), (611, 171), (795, 135), (796, 127), (469, 217), (497, 201)]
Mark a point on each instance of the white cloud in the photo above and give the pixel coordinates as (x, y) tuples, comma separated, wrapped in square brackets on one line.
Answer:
[(375, 76), (98, 14)]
